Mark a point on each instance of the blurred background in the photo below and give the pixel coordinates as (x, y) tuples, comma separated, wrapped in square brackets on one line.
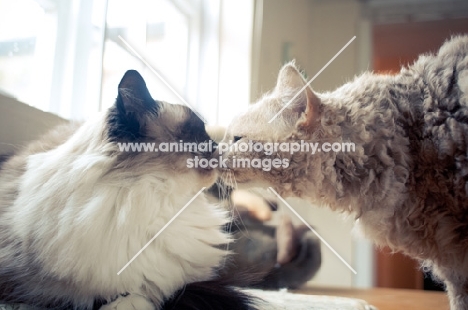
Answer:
[(65, 58)]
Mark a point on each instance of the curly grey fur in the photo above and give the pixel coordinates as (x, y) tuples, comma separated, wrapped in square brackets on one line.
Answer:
[(407, 181)]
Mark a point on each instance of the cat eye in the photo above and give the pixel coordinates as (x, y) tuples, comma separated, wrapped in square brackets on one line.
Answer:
[(237, 138)]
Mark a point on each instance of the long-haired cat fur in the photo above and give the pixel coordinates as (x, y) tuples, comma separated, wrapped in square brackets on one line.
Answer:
[(407, 180), (74, 210)]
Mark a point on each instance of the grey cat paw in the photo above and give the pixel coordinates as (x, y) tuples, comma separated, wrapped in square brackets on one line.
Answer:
[(130, 302)]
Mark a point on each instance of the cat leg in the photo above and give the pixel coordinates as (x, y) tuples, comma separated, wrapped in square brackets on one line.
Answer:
[(130, 302), (458, 294), (456, 285)]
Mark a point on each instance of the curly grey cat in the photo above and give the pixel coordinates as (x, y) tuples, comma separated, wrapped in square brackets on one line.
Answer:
[(406, 181)]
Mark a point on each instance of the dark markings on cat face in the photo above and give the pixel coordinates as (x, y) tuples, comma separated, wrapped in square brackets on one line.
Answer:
[(194, 129), (137, 118)]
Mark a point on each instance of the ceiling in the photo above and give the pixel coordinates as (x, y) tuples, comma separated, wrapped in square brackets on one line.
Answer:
[(398, 11)]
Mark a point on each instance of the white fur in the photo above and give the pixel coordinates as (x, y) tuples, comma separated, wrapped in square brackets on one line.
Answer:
[(100, 218)]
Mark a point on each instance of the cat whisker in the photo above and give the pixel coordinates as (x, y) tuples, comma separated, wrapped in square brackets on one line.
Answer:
[(227, 177)]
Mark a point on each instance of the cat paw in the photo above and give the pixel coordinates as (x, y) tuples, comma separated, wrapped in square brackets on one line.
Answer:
[(130, 302)]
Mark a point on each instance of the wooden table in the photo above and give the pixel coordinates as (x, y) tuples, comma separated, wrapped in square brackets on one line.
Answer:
[(388, 299)]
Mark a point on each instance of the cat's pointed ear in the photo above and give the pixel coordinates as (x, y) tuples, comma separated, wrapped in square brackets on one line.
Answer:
[(307, 104), (134, 96), (134, 103), (289, 77), (310, 116)]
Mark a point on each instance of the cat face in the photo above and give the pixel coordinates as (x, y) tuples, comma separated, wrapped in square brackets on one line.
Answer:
[(138, 119), (299, 116)]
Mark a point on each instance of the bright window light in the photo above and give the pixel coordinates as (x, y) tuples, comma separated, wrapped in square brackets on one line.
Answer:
[(67, 57)]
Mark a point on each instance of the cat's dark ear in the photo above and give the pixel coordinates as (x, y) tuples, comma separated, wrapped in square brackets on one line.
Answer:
[(290, 82), (134, 97), (134, 105)]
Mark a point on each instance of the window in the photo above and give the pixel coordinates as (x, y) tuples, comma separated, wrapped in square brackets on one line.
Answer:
[(161, 33), (27, 40), (67, 57), (51, 53)]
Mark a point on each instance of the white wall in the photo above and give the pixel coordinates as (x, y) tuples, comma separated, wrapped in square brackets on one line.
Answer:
[(312, 32)]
